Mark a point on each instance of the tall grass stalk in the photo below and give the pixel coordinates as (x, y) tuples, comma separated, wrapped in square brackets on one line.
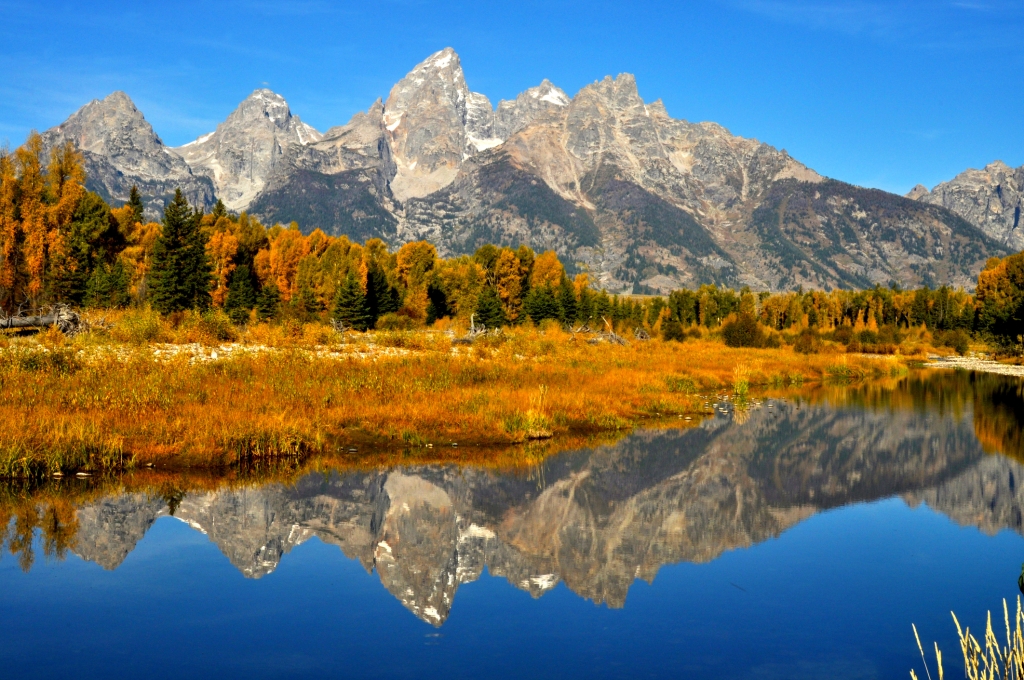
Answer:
[(992, 661)]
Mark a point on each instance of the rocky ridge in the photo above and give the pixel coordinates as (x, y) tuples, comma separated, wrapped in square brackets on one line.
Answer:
[(989, 198), (120, 149), (642, 201), (259, 140)]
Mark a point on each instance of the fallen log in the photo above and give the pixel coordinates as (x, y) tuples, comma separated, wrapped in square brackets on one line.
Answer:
[(61, 316)]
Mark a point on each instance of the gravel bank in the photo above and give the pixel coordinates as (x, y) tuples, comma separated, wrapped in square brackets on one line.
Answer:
[(975, 364)]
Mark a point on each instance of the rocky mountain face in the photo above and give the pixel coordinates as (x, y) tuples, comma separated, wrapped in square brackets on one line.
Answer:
[(987, 496), (989, 198), (642, 201), (595, 520), (261, 139), (120, 149)]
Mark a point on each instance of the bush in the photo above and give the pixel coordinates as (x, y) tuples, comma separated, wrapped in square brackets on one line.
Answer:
[(867, 337), (743, 331), (209, 327), (60, 361), (137, 327), (394, 322), (958, 340), (843, 334), (808, 342), (683, 384), (671, 329)]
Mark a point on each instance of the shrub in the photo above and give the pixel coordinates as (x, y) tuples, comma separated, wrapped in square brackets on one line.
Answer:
[(958, 340), (671, 329), (683, 384), (807, 342), (743, 331), (137, 327), (843, 334), (211, 326), (866, 337), (58, 361), (394, 322)]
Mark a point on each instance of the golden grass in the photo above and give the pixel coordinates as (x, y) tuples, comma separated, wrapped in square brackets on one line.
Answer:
[(994, 660), (102, 401)]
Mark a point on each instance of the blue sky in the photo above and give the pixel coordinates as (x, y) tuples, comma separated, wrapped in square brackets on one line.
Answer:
[(882, 94)]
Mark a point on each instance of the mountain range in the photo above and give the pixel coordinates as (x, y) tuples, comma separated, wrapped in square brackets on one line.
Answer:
[(620, 189), (596, 520)]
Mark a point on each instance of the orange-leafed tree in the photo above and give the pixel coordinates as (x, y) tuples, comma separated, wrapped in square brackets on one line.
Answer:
[(508, 282), (547, 271), (10, 230), (222, 249), (33, 214), (279, 265), (37, 210), (416, 261)]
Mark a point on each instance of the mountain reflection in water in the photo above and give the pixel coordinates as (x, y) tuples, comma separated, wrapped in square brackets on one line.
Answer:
[(599, 519)]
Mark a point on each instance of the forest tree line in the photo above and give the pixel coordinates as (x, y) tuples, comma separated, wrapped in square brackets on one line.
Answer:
[(62, 243)]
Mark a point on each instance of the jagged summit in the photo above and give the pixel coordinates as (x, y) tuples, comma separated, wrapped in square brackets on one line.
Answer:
[(431, 118), (991, 199), (120, 149), (641, 201), (249, 148)]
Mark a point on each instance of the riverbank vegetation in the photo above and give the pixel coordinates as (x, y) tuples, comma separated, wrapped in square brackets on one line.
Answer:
[(210, 339)]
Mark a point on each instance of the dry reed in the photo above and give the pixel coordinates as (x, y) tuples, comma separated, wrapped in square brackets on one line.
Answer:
[(992, 661), (101, 402)]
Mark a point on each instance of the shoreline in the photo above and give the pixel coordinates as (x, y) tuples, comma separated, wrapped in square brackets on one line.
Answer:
[(975, 364)]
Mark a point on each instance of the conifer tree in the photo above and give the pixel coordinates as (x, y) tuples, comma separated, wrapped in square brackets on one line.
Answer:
[(241, 295), (567, 302), (220, 210), (381, 298), (135, 203), (350, 305), (268, 302), (306, 302), (108, 286), (437, 307), (489, 311), (540, 304), (182, 275)]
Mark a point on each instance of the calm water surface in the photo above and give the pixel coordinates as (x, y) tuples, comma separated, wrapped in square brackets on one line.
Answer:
[(798, 541)]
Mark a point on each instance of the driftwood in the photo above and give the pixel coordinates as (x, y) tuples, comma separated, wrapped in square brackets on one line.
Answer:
[(609, 336), (61, 316), (475, 331)]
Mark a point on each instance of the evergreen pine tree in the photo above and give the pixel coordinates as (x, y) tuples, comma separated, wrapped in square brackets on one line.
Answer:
[(306, 303), (437, 303), (93, 237), (350, 305), (182, 274), (489, 311), (540, 304), (220, 210), (241, 295), (585, 309), (268, 302), (108, 286), (567, 302), (671, 329), (376, 290), (135, 203)]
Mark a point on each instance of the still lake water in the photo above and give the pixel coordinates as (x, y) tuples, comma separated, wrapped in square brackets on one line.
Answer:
[(798, 541)]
